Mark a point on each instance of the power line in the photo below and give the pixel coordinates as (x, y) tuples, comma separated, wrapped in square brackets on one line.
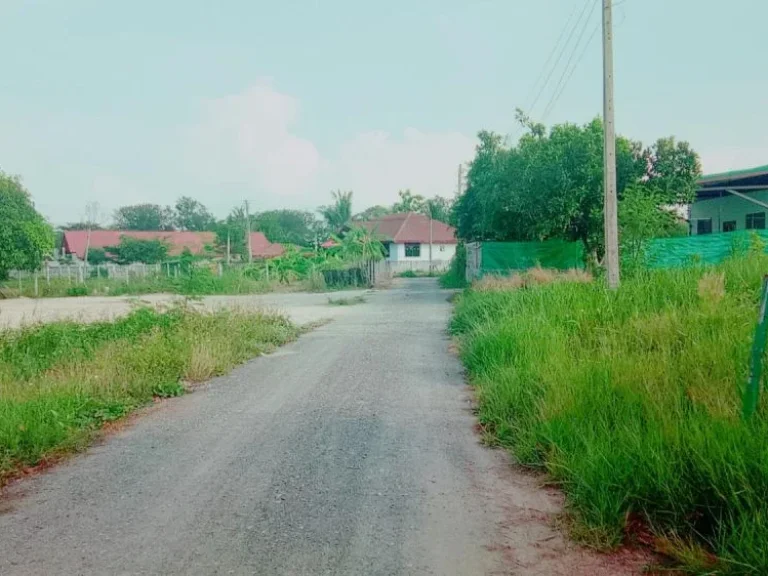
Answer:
[(568, 71), (570, 74), (569, 25), (528, 104)]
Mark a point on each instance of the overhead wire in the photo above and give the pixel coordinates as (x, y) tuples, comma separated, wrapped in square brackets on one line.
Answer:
[(570, 25), (568, 71)]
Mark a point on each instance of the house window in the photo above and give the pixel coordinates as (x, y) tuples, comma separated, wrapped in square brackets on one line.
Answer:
[(442, 247), (704, 226), (756, 221), (729, 226), (412, 250)]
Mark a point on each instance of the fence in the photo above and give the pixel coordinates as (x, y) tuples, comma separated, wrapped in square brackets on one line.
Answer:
[(502, 257)]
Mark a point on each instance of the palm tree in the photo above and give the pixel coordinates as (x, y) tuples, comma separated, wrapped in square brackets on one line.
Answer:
[(339, 214)]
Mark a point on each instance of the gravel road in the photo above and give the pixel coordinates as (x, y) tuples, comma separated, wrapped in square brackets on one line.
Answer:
[(349, 452)]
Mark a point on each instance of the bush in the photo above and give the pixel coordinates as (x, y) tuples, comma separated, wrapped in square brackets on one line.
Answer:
[(78, 290), (631, 400), (60, 382), (456, 276)]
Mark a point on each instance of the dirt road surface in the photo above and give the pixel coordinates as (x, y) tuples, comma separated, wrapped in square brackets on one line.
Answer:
[(302, 307), (349, 452)]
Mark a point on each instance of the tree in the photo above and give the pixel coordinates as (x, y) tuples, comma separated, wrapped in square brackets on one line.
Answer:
[(97, 256), (144, 217), (286, 226), (550, 185), (642, 216), (134, 250), (408, 202), (438, 208), (25, 237), (192, 215), (373, 212), (339, 214)]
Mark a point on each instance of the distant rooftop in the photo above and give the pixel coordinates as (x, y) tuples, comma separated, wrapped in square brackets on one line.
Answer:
[(746, 180)]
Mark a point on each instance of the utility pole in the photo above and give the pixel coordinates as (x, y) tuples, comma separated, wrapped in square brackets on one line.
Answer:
[(248, 232), (460, 180), (609, 154)]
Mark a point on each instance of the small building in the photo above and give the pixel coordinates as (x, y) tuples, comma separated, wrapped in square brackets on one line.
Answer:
[(407, 239), (731, 201)]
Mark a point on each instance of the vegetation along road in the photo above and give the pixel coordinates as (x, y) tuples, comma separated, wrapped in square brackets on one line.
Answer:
[(350, 451)]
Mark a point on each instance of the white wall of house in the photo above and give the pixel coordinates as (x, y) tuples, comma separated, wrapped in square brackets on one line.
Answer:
[(729, 208), (440, 253)]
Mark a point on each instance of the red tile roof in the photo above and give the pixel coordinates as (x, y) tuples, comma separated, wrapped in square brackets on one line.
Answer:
[(263, 248), (410, 227), (75, 241)]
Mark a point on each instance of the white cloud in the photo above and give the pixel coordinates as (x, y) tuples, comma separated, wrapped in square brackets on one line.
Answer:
[(246, 140)]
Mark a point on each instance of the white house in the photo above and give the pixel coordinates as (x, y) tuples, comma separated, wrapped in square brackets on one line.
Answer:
[(408, 237)]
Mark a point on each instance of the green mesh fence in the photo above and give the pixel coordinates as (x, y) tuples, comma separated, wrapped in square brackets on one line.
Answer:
[(704, 249), (499, 257)]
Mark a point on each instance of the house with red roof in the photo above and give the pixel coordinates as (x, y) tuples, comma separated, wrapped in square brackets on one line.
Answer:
[(408, 237), (198, 243)]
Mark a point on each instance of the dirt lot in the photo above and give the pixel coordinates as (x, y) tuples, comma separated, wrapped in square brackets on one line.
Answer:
[(300, 307)]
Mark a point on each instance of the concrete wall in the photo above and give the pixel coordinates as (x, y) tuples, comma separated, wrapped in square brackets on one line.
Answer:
[(727, 208), (440, 253)]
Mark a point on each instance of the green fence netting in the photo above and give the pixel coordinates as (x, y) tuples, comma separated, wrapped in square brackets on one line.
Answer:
[(498, 257), (703, 249)]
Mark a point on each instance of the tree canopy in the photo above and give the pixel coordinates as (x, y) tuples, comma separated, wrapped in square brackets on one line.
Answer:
[(192, 215), (286, 226), (25, 237), (144, 217), (550, 185), (408, 202), (134, 250)]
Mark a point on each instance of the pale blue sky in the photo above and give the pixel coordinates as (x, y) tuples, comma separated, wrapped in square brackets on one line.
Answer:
[(281, 101)]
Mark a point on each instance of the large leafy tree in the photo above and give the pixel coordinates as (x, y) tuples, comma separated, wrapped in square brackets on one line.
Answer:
[(372, 212), (338, 215), (192, 215), (408, 202), (286, 226), (144, 217), (550, 185), (438, 208), (25, 237), (135, 250)]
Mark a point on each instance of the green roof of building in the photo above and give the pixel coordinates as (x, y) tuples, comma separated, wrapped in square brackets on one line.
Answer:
[(734, 174)]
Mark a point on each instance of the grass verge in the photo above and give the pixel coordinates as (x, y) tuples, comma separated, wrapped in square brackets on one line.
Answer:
[(60, 382), (631, 401)]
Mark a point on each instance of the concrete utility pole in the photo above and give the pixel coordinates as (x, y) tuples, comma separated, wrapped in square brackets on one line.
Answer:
[(609, 155), (460, 181), (248, 232)]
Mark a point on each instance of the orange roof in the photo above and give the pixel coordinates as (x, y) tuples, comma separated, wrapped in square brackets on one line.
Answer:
[(410, 227)]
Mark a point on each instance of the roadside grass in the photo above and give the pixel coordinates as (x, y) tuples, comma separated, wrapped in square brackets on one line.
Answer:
[(347, 300), (60, 382), (631, 401), (201, 282)]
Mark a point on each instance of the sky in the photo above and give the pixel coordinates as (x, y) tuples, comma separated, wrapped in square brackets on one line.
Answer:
[(279, 102)]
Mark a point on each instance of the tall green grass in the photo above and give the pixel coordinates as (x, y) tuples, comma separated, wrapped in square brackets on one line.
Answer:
[(60, 382), (631, 400)]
